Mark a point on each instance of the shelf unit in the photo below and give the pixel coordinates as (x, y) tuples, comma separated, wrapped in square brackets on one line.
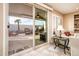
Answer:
[(76, 23)]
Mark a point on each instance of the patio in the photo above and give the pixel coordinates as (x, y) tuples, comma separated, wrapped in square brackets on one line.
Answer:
[(19, 43)]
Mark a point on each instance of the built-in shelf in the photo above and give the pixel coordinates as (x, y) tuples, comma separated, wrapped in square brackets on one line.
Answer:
[(76, 23)]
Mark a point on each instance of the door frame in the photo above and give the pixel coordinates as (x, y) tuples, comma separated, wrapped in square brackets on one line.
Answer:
[(39, 7)]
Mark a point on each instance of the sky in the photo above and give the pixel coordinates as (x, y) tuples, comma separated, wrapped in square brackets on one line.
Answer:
[(25, 21)]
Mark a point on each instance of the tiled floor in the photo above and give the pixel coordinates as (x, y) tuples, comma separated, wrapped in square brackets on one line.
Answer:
[(47, 50)]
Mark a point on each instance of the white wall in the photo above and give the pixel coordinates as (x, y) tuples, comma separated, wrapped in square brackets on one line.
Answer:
[(50, 14), (1, 29), (59, 15), (68, 21)]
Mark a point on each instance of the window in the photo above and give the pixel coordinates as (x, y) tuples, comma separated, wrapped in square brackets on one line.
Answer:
[(57, 21), (20, 34), (23, 21)]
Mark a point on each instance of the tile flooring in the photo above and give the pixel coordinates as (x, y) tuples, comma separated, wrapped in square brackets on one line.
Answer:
[(47, 50)]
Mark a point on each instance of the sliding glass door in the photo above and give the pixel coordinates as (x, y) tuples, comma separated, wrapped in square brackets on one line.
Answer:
[(40, 26), (20, 27), (25, 29)]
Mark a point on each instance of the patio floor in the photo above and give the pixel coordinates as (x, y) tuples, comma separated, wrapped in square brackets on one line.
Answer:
[(19, 43)]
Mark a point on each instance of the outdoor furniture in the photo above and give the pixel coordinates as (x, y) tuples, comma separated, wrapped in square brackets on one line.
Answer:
[(27, 31), (12, 33), (43, 36)]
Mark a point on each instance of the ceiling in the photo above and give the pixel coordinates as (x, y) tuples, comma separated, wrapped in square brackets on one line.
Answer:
[(64, 8)]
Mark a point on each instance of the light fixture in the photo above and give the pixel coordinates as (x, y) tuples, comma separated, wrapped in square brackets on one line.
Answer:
[(60, 28), (77, 8), (38, 16)]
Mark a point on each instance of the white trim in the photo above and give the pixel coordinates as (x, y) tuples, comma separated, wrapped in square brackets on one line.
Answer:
[(45, 6), (48, 26), (38, 46), (33, 26), (5, 31)]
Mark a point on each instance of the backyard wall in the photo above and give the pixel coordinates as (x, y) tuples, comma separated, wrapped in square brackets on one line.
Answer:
[(14, 27)]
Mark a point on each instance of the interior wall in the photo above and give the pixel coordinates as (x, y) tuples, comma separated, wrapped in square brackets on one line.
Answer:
[(55, 13), (1, 29), (58, 14), (68, 21), (49, 21)]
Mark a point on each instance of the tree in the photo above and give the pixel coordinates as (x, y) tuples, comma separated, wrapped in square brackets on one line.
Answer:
[(18, 22)]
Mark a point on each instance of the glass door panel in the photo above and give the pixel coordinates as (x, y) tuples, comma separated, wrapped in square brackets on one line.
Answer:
[(40, 26), (20, 27)]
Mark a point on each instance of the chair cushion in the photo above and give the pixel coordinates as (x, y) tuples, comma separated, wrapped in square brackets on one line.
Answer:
[(67, 33)]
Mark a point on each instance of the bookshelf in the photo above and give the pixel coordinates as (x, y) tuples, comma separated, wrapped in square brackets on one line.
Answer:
[(76, 23)]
